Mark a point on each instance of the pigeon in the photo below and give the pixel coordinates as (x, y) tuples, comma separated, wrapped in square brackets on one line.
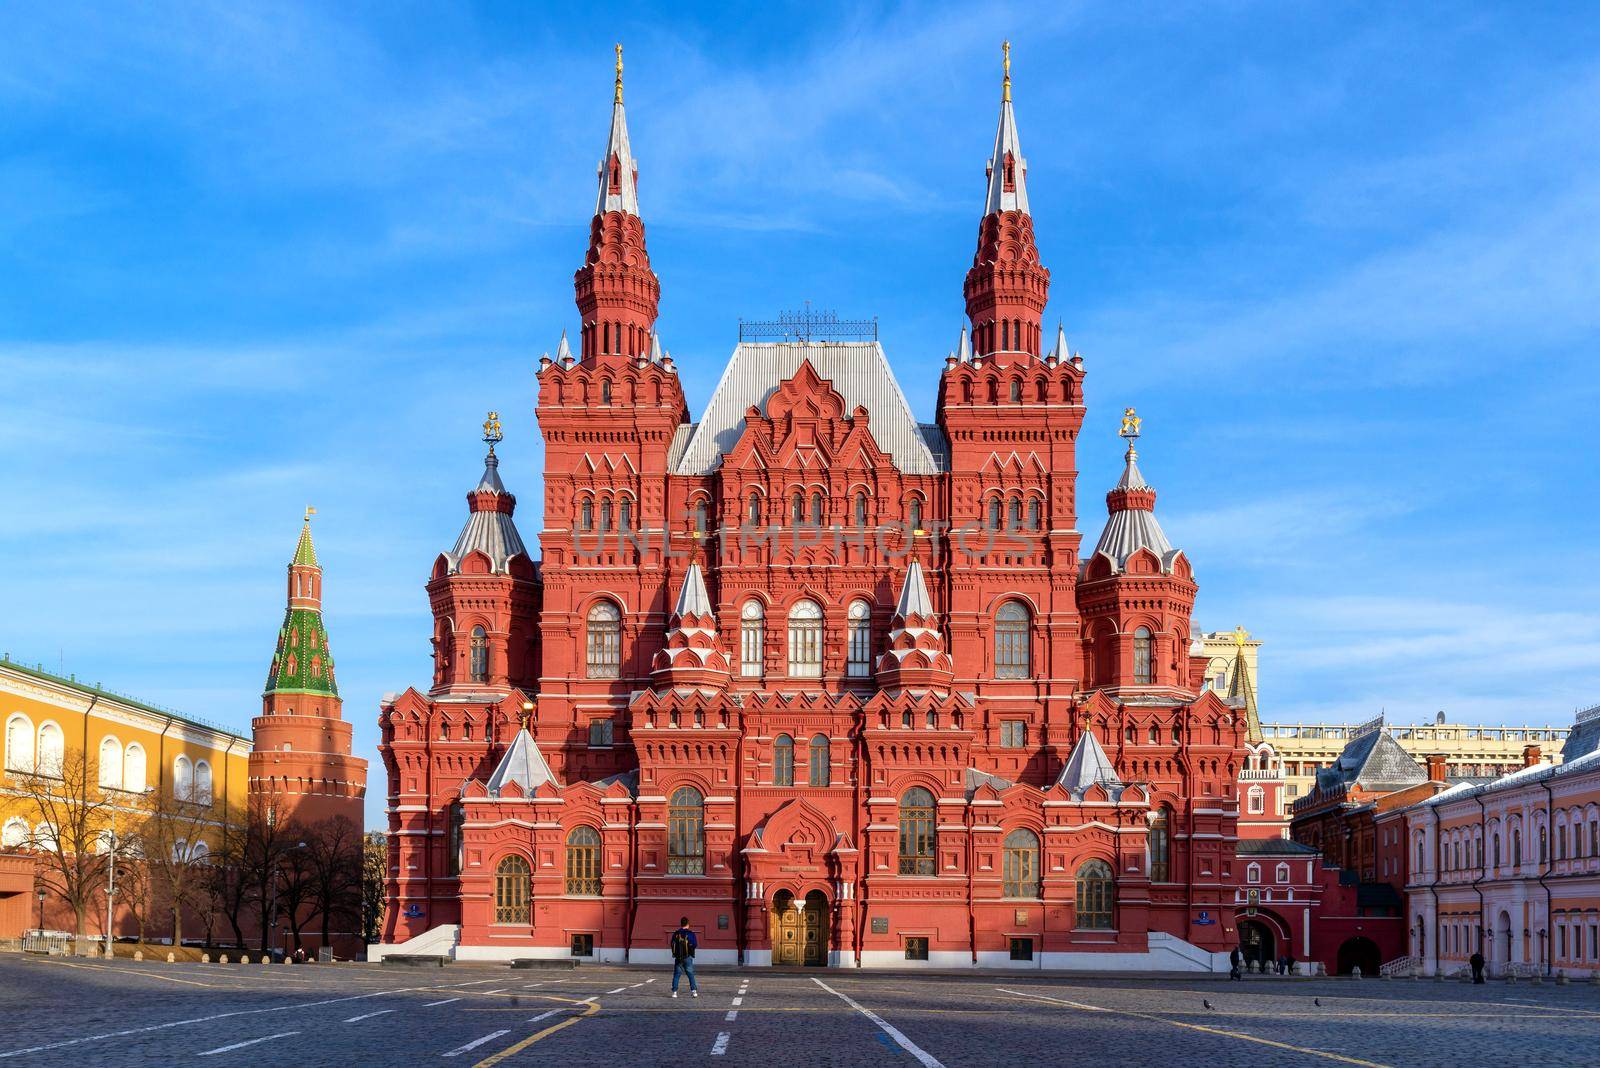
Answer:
[(1205, 1002), (1317, 1002)]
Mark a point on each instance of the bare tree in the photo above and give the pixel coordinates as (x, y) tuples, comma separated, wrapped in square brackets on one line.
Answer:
[(374, 862), (176, 853), (267, 839), (333, 854), (228, 883), (296, 884), (70, 844)]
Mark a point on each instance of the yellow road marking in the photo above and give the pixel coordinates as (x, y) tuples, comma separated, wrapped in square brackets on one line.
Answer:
[(1199, 1027), (590, 1008), (135, 971)]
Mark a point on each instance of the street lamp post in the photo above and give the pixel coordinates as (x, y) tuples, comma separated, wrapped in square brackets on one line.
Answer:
[(111, 877), (41, 911)]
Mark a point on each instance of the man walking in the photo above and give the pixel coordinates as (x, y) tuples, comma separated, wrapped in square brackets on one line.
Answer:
[(683, 945), (1476, 960), (1235, 960)]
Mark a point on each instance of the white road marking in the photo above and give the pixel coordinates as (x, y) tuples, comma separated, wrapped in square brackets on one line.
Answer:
[(738, 1001), (198, 1019), (476, 982), (475, 1043), (544, 1015), (368, 1015), (649, 980), (494, 991), (927, 1059), (246, 1042), (720, 1046), (733, 1014), (446, 1001), (618, 990)]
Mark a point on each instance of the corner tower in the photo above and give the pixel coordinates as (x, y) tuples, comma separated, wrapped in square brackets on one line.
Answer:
[(301, 758)]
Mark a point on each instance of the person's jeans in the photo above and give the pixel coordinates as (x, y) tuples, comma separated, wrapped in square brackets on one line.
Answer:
[(685, 966)]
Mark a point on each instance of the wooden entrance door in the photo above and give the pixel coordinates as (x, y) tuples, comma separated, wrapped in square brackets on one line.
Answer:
[(786, 929), (816, 928)]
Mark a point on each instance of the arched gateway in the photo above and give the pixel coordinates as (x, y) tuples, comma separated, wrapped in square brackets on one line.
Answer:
[(799, 928)]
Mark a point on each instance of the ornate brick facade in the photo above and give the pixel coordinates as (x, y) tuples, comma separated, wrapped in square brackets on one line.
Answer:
[(840, 687)]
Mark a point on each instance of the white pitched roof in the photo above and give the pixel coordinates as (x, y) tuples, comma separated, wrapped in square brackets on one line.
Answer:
[(626, 199), (857, 369), (1088, 765), (523, 764), (1005, 140), (914, 594), (692, 596)]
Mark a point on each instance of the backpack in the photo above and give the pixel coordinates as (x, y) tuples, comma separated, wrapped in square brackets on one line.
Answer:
[(681, 946)]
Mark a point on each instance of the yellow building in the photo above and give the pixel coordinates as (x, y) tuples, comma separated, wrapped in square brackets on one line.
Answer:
[(135, 750)]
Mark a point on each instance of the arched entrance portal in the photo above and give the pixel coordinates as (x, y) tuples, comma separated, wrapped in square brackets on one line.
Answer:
[(799, 929), (1258, 944), (1359, 953)]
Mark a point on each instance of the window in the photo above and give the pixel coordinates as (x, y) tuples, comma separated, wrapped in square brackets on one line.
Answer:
[(605, 515), (1014, 515), (605, 641), (583, 945), (601, 733), (15, 835), (605, 391), (1016, 391), (133, 768), (513, 889), (479, 666), (917, 838), (586, 514), (110, 764), (914, 514), (752, 638), (625, 513), (1161, 846), (821, 770), (1020, 864), (455, 843), (994, 513), (583, 862), (697, 517), (1252, 873), (859, 664), (202, 783), (183, 779), (816, 510), (797, 509), (1021, 949), (783, 761), (1011, 641), (1094, 896), (1516, 849), (52, 749), (861, 509), (1257, 800), (1142, 671), (1033, 513), (19, 744), (916, 949), (805, 640), (686, 832), (1013, 733), (753, 512)]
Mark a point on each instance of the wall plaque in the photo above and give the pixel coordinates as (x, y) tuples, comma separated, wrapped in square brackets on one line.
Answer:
[(880, 925)]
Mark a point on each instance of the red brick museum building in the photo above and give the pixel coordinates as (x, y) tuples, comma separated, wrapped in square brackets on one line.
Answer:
[(842, 687)]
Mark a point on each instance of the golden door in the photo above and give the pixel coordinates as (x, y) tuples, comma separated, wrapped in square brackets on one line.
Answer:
[(787, 926), (816, 928)]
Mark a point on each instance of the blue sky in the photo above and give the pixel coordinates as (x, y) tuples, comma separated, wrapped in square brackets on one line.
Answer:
[(1344, 258)]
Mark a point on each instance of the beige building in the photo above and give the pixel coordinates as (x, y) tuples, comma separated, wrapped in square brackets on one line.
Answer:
[(1302, 748)]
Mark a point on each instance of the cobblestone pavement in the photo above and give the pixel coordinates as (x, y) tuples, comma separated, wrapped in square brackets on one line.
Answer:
[(71, 1012)]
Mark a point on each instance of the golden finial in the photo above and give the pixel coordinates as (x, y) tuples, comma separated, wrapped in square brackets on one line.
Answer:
[(1006, 50), (491, 431), (1240, 636), (310, 511), (1130, 424), (618, 98)]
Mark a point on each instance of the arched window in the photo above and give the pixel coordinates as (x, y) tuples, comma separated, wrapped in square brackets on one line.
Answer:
[(1252, 873), (513, 890), (697, 516), (480, 651), (1016, 391), (1516, 849), (797, 508), (605, 515), (917, 835), (19, 744), (914, 513), (202, 783), (686, 832), (625, 513), (1012, 639), (52, 749), (604, 658), (586, 514), (583, 862), (15, 834), (817, 512), (605, 391), (1094, 896), (1033, 513), (133, 768), (1014, 515), (783, 761), (859, 662), (456, 837), (1161, 846), (752, 638), (821, 768), (1020, 864), (753, 511), (183, 779), (861, 509), (1257, 800), (110, 764), (996, 517), (1282, 873), (1142, 670), (805, 640)]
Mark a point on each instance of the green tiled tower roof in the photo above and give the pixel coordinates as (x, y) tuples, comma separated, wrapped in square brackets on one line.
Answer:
[(303, 662), (305, 553)]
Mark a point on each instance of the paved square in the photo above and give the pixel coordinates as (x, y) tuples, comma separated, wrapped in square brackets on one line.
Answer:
[(57, 1012)]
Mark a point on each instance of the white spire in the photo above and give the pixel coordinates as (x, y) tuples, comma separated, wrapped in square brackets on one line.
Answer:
[(563, 350), (1008, 188), (964, 349), (524, 765), (1088, 765), (1061, 352), (692, 596), (618, 173), (655, 347), (914, 599)]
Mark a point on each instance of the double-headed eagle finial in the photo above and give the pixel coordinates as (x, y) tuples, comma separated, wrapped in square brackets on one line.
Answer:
[(491, 431), (618, 98), (1005, 49)]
